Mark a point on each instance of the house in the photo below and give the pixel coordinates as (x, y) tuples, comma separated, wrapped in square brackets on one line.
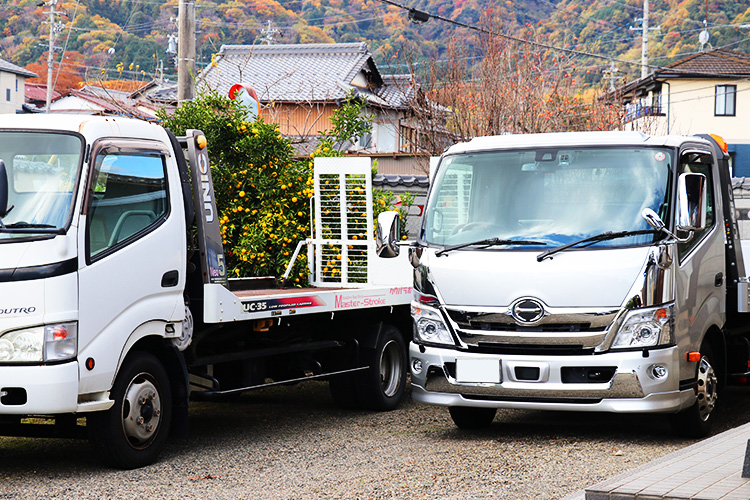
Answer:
[(36, 97), (155, 94), (92, 100), (702, 93), (12, 86), (299, 87)]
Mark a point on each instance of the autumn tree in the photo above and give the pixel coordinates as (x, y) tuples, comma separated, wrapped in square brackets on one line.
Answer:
[(517, 87), (66, 75)]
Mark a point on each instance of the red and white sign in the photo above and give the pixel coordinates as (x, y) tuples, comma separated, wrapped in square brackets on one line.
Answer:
[(247, 96)]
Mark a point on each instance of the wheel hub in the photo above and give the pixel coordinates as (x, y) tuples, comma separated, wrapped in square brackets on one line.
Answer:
[(708, 385), (390, 369), (141, 411)]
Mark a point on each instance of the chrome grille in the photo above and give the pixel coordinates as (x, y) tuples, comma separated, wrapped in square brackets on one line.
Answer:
[(496, 329)]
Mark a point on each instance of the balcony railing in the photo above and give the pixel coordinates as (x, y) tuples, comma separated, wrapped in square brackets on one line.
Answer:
[(634, 111)]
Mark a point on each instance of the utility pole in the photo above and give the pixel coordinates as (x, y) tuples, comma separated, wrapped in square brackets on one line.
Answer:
[(268, 33), (54, 27), (644, 44), (186, 51), (611, 74)]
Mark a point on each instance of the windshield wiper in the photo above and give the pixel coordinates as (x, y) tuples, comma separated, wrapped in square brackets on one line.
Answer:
[(609, 235), (488, 242), (25, 227)]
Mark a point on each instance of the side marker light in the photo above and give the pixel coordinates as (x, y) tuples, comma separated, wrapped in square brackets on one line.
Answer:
[(693, 356)]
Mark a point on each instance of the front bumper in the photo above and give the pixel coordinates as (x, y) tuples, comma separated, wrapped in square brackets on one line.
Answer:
[(632, 388), (39, 390)]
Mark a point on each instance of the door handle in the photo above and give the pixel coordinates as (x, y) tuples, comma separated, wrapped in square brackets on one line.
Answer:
[(170, 279)]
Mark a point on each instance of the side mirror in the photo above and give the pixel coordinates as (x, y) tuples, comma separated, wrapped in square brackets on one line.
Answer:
[(3, 190), (691, 196), (386, 244), (653, 219)]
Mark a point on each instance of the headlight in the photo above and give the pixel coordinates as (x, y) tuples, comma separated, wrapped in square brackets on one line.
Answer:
[(40, 343), (646, 328), (429, 326), (22, 345)]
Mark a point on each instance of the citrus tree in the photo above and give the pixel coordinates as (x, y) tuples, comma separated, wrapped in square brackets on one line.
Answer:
[(261, 192)]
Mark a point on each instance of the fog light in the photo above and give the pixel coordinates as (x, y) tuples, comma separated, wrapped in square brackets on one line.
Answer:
[(658, 372), (416, 366)]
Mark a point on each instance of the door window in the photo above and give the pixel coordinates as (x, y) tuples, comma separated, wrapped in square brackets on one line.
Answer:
[(698, 163), (128, 198)]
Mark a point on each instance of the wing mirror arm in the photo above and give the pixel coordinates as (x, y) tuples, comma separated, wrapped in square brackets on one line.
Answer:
[(655, 221)]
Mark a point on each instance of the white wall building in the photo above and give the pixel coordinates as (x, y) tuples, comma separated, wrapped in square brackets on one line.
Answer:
[(12, 81)]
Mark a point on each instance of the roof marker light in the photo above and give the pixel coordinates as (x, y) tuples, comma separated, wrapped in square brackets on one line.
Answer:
[(721, 142)]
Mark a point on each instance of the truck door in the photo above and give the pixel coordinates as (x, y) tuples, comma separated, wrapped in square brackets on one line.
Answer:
[(131, 268), (700, 281)]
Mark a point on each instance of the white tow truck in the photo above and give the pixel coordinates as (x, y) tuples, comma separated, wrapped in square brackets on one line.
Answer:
[(115, 303), (597, 271)]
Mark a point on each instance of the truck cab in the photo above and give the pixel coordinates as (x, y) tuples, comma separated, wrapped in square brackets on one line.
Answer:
[(596, 271), (87, 199)]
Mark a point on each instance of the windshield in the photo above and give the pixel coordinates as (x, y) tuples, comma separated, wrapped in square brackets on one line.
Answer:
[(551, 196), (42, 172)]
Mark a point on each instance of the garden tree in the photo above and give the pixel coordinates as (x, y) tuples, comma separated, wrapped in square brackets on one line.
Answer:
[(349, 122), (515, 88), (261, 192)]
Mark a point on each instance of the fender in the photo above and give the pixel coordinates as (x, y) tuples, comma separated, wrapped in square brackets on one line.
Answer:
[(156, 329)]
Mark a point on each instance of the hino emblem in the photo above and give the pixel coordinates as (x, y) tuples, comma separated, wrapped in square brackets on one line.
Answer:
[(527, 311)]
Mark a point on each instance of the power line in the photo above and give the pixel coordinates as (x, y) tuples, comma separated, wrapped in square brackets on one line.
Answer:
[(422, 16)]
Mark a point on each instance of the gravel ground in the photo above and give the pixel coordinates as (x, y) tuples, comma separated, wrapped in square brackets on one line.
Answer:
[(293, 442)]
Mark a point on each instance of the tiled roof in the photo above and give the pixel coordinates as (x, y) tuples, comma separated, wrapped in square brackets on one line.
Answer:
[(393, 180), (111, 101), (713, 63), (398, 90), (18, 70), (716, 64), (155, 92), (38, 92), (295, 72)]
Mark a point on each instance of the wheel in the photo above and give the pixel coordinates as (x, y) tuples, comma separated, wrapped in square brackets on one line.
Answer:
[(132, 433), (468, 417), (382, 385), (696, 421)]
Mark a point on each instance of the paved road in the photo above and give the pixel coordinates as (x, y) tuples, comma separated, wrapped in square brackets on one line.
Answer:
[(293, 442)]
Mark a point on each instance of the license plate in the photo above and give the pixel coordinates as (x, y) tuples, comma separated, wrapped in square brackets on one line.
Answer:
[(486, 371)]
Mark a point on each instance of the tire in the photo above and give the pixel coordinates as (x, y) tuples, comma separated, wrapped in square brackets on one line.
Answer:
[(467, 417), (133, 432), (696, 421), (382, 385)]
